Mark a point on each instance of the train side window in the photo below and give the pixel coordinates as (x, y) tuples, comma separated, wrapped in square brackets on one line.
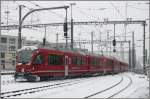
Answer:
[(54, 59), (78, 60), (101, 62), (39, 59), (94, 62), (74, 60), (83, 61)]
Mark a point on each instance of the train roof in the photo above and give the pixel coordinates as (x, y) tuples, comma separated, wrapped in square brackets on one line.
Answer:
[(28, 48)]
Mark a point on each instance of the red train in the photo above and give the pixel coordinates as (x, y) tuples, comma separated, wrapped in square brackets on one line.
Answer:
[(34, 64)]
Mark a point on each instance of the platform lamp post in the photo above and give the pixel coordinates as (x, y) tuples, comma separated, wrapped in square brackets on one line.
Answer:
[(21, 20)]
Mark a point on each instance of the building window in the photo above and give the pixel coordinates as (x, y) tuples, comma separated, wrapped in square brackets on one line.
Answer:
[(2, 55), (3, 40), (3, 47), (13, 62), (12, 48), (3, 63), (13, 55), (12, 40)]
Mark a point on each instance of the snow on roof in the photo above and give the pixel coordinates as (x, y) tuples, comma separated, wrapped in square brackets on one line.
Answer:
[(28, 47)]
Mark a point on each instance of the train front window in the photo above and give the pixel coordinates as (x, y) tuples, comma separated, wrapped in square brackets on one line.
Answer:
[(25, 56)]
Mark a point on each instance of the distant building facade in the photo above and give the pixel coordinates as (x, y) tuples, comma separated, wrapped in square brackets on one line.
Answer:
[(8, 48)]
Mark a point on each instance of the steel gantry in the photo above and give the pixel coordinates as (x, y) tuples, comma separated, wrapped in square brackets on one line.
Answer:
[(10, 27)]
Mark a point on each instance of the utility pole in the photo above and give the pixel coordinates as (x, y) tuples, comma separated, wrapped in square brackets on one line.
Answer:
[(66, 30), (99, 42), (72, 26), (44, 39), (107, 42), (130, 56), (57, 40), (20, 25), (133, 52), (79, 40), (149, 50), (92, 41), (0, 28), (121, 51), (125, 25), (0, 22), (144, 47)]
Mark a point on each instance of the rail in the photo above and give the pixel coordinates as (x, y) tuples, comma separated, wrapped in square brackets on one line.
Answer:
[(104, 89)]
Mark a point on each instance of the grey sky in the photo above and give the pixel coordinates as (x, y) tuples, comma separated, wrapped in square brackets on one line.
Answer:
[(82, 11)]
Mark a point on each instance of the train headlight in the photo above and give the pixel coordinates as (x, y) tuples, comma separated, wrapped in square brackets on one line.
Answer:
[(32, 68), (22, 70)]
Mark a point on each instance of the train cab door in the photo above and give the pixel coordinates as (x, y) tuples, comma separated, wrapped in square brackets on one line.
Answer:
[(66, 65), (39, 62)]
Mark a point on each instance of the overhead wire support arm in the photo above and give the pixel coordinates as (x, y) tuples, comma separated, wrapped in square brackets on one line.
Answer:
[(65, 7), (34, 10)]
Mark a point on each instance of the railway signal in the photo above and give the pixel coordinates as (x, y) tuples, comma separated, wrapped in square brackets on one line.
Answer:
[(114, 42), (114, 50), (65, 29)]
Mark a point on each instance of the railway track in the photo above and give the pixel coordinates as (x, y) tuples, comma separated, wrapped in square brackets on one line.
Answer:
[(11, 94), (129, 84), (36, 89), (111, 87), (9, 73)]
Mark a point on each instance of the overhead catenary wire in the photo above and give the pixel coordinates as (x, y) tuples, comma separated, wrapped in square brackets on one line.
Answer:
[(131, 6), (84, 13), (116, 10)]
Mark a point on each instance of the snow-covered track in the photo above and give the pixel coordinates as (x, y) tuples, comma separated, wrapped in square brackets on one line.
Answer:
[(7, 82), (38, 89), (113, 90), (129, 84), (105, 89)]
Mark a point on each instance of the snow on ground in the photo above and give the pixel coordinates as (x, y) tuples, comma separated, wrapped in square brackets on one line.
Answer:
[(25, 85), (78, 90), (138, 89), (7, 71), (113, 90)]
